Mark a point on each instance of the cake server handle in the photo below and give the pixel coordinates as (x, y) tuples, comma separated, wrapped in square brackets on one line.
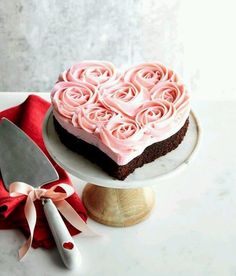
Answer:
[(66, 246)]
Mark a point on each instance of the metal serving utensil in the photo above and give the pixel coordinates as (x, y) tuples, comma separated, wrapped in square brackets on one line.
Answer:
[(22, 160)]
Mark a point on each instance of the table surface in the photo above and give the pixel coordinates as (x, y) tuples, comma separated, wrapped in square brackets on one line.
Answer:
[(192, 229)]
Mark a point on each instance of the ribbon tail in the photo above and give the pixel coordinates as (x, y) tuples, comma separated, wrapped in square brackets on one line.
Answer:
[(30, 215), (24, 248), (74, 219)]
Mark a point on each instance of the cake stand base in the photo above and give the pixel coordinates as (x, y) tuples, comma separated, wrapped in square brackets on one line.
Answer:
[(118, 207)]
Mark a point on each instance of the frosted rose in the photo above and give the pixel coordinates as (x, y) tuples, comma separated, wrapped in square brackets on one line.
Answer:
[(122, 134), (155, 116), (93, 72), (149, 74), (68, 96), (170, 91), (92, 117), (123, 97)]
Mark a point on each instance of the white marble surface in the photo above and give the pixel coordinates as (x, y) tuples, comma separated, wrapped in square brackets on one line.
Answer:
[(192, 230)]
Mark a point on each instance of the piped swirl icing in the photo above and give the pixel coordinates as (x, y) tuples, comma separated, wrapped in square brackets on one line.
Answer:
[(155, 117), (93, 72), (92, 117), (67, 97), (122, 134), (149, 74), (121, 114), (123, 97)]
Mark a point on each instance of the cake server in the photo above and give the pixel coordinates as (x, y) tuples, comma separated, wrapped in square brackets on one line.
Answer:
[(22, 160)]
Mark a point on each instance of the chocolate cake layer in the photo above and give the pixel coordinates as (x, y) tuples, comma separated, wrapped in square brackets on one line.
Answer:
[(95, 155)]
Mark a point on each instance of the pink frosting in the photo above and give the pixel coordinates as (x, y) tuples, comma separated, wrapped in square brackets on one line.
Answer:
[(149, 74), (67, 97), (122, 134), (123, 97), (121, 114), (172, 92), (93, 72), (92, 117), (156, 117)]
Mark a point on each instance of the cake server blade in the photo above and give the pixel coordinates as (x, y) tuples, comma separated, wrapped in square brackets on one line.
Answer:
[(21, 159)]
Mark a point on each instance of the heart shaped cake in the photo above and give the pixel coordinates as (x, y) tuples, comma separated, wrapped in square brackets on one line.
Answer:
[(120, 120)]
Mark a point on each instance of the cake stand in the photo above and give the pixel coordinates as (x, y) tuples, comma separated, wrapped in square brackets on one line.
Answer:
[(114, 202)]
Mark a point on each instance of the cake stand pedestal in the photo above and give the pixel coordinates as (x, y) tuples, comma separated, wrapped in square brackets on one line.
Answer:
[(118, 207), (121, 203)]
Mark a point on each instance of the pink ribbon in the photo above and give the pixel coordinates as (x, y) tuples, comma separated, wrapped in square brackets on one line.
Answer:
[(58, 198)]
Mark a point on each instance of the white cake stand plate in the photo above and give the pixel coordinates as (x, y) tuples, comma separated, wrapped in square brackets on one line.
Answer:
[(114, 202)]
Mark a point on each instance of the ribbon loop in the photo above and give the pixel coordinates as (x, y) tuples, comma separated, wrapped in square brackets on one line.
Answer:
[(21, 188)]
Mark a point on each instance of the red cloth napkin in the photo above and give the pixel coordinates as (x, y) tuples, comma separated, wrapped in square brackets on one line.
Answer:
[(29, 117)]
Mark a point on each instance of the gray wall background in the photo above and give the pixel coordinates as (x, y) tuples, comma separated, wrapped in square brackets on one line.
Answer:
[(41, 38)]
